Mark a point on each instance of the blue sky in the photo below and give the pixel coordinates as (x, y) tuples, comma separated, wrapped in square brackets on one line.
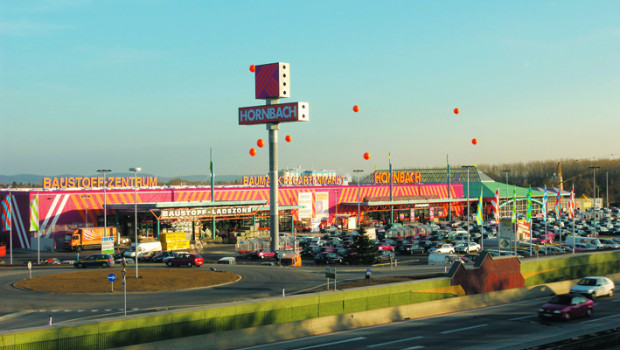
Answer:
[(86, 85)]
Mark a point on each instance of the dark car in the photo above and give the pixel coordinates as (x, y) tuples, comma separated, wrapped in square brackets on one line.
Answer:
[(410, 249), (328, 258), (185, 259), (159, 257), (566, 307), (102, 260)]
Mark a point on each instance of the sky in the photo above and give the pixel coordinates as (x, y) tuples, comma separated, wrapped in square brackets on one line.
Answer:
[(87, 85)]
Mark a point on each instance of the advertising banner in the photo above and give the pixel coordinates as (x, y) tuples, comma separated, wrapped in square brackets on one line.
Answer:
[(321, 205), (304, 200)]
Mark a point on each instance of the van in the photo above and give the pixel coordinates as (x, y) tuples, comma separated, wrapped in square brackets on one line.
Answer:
[(143, 249), (442, 259), (570, 240)]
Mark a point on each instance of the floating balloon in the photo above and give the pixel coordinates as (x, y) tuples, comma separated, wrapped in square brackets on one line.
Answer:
[(260, 143), (252, 152), (456, 111), (474, 141), (356, 108), (288, 138), (252, 68), (366, 155)]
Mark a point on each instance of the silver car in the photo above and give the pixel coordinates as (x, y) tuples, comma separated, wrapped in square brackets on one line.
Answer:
[(594, 287)]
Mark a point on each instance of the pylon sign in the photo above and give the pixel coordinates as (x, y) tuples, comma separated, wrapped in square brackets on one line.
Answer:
[(271, 82)]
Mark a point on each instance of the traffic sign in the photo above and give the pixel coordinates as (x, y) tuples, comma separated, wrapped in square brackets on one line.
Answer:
[(330, 272), (111, 277)]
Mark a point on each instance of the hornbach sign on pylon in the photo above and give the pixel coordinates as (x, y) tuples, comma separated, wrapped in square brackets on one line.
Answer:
[(278, 113)]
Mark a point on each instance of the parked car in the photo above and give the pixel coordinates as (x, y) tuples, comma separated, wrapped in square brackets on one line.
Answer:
[(261, 254), (594, 287), (102, 260), (161, 256), (566, 307), (184, 259), (229, 260), (443, 249), (410, 249), (468, 247), (328, 258), (385, 256)]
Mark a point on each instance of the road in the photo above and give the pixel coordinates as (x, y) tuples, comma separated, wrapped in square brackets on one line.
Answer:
[(509, 326), (23, 308)]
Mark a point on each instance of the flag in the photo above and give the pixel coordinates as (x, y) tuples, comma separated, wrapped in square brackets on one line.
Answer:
[(528, 217), (479, 218), (514, 204), (34, 213), (544, 205), (6, 213), (495, 204), (571, 204), (558, 208)]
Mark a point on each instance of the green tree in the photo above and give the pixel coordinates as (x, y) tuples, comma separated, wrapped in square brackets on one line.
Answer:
[(364, 250)]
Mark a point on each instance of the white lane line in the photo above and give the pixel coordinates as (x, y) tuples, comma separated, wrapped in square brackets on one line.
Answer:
[(332, 343), (615, 300), (94, 310), (395, 341), (464, 329), (522, 318), (414, 347), (601, 318)]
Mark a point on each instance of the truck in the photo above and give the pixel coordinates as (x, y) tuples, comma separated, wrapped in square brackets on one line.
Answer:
[(88, 238), (144, 248)]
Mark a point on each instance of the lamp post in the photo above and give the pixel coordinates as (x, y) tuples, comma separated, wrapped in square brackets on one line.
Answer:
[(607, 186), (506, 171), (594, 198), (357, 172), (85, 197), (468, 234), (135, 201), (105, 201)]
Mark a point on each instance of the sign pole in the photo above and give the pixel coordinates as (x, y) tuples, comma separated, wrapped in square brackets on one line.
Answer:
[(274, 217)]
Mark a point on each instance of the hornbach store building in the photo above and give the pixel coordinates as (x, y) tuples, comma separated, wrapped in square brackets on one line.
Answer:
[(413, 195)]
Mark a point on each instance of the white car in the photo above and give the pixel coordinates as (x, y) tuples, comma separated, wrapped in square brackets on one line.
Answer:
[(594, 287), (443, 249)]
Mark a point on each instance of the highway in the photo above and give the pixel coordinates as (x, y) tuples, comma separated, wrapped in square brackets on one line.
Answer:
[(509, 326)]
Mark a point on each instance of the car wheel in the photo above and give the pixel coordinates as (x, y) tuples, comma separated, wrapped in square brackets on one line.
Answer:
[(189, 264), (104, 265), (611, 293), (80, 265), (589, 312), (593, 296), (567, 316), (169, 263)]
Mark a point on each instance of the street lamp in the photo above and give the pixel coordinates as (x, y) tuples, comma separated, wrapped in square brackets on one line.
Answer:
[(506, 171), (105, 201), (357, 172), (468, 235), (594, 198), (135, 201), (607, 186), (85, 197)]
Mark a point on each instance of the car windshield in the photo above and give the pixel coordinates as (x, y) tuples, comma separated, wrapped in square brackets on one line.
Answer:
[(587, 282), (561, 300)]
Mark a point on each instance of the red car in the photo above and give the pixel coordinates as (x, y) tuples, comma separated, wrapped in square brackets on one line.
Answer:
[(184, 259), (566, 307)]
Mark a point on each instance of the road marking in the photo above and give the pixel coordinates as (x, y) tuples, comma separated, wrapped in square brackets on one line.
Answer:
[(521, 318), (94, 310), (613, 301), (332, 343), (80, 311), (601, 318), (395, 341), (464, 329), (108, 310), (414, 347)]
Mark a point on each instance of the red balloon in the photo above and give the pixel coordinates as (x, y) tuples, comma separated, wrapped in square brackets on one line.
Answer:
[(366, 155), (456, 111), (252, 68), (252, 152), (474, 141), (356, 108), (288, 138), (260, 143)]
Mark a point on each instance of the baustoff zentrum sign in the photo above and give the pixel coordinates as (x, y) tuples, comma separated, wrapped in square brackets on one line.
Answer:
[(272, 82)]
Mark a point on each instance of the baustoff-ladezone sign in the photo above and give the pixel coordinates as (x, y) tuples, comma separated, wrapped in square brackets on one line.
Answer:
[(278, 113), (201, 212)]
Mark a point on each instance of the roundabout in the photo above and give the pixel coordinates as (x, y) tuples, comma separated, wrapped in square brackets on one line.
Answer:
[(149, 280)]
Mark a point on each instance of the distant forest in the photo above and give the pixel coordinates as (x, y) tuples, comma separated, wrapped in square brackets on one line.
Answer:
[(577, 172)]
